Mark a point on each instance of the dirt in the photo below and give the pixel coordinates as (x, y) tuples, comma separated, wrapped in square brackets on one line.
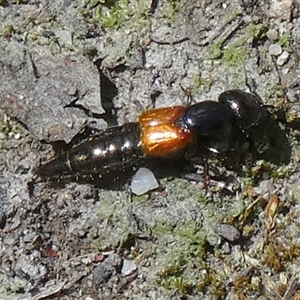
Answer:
[(66, 65)]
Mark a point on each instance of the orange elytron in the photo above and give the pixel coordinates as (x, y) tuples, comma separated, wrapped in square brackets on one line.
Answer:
[(160, 136)]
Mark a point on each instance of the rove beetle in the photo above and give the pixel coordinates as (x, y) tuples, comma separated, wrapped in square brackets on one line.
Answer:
[(222, 127)]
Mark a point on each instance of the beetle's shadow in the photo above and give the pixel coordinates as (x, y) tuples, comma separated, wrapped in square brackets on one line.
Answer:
[(110, 181), (117, 179), (108, 92), (278, 149)]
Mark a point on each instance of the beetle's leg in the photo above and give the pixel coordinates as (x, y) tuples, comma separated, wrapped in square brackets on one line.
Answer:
[(188, 94), (206, 177)]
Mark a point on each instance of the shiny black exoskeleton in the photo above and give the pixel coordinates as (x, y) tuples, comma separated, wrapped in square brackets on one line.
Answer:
[(233, 124), (103, 152), (228, 125)]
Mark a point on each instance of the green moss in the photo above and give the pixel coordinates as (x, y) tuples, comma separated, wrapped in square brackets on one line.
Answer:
[(216, 49), (6, 129), (202, 84), (232, 54), (139, 199), (16, 285), (9, 130), (174, 8), (147, 251), (244, 284), (189, 231), (257, 31), (185, 189), (7, 31), (202, 198), (115, 230), (291, 117), (193, 239), (271, 257), (112, 15), (206, 280), (173, 268), (107, 209), (113, 19), (94, 3), (98, 246), (275, 94), (266, 168), (191, 251), (210, 281), (90, 51), (172, 277), (285, 40), (282, 172), (162, 229), (183, 284), (233, 14), (253, 173)]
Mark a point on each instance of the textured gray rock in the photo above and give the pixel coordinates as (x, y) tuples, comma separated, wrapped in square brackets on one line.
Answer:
[(39, 90)]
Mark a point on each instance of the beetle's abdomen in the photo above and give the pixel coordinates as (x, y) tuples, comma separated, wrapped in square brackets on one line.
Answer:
[(108, 150)]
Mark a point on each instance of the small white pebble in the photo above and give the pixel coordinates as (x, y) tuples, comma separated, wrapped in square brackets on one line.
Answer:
[(65, 37), (283, 58), (275, 49), (272, 34), (17, 136), (284, 71), (128, 267), (143, 181)]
